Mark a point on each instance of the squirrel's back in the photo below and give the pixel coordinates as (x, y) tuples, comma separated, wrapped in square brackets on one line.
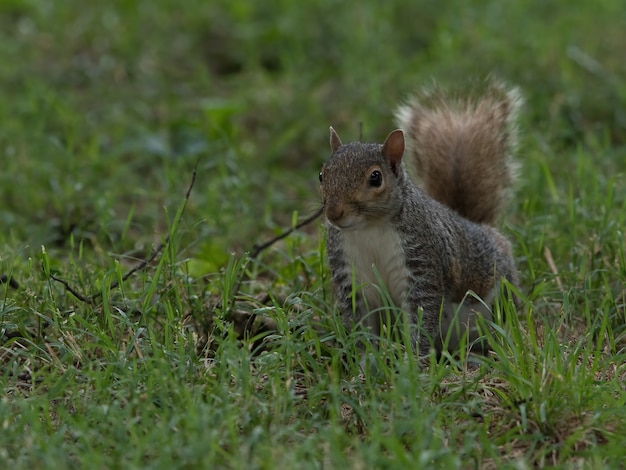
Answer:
[(460, 149)]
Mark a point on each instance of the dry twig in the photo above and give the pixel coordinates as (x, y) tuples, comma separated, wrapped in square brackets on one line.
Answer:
[(92, 298), (258, 248)]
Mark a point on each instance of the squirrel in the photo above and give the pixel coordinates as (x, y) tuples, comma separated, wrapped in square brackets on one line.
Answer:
[(424, 247)]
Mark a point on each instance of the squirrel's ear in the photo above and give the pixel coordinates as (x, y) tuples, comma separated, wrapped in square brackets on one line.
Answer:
[(335, 141), (393, 148)]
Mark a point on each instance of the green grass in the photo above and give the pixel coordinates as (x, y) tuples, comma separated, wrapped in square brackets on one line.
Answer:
[(209, 359)]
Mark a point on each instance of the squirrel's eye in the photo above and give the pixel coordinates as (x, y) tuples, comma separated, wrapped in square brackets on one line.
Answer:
[(321, 178), (376, 179)]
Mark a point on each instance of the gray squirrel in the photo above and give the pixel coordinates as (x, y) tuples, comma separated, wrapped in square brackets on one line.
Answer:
[(431, 243)]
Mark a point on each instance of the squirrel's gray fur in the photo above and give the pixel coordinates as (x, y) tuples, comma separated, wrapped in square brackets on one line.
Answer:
[(427, 246)]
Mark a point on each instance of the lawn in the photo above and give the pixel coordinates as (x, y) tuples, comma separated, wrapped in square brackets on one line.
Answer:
[(149, 148)]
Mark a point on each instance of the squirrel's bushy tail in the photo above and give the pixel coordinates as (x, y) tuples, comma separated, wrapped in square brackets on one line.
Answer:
[(460, 148)]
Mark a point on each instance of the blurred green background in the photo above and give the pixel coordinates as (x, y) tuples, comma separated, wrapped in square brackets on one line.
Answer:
[(105, 106)]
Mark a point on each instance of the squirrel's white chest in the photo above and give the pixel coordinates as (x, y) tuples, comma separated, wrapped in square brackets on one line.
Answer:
[(377, 258)]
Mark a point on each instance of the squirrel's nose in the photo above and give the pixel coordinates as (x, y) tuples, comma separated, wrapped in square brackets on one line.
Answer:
[(334, 212)]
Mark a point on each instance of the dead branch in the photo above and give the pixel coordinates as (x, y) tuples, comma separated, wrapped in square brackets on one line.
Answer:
[(258, 248), (4, 279), (74, 292), (92, 298)]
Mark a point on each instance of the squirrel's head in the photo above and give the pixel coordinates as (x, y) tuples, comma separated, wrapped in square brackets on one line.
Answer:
[(359, 182)]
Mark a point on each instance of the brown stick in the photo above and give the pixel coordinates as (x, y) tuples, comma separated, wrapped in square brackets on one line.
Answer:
[(92, 298), (550, 260), (10, 280), (257, 249), (71, 290)]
